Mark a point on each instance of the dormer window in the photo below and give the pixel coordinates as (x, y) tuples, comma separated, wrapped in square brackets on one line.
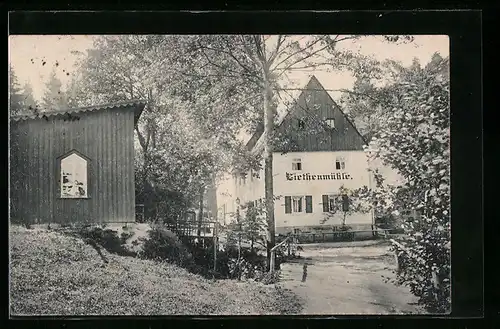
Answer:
[(74, 174), (330, 122)]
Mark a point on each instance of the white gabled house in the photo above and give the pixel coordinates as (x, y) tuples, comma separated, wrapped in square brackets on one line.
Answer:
[(308, 170)]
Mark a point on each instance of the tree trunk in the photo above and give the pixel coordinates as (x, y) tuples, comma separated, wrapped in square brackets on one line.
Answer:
[(268, 166), (200, 215)]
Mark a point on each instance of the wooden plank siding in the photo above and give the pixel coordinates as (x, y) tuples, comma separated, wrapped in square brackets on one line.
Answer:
[(105, 137), (314, 103)]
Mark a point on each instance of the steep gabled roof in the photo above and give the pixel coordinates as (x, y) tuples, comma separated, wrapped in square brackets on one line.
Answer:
[(138, 105), (312, 85)]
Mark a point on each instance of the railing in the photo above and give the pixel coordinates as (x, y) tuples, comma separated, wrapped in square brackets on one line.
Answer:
[(339, 236), (272, 262)]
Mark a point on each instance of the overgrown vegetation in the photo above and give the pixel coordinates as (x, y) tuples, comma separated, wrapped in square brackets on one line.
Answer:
[(56, 274), (413, 137), (162, 245)]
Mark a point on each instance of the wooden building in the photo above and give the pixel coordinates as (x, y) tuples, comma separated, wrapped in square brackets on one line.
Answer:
[(74, 166)]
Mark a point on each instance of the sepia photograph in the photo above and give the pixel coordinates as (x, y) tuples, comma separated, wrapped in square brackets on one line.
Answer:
[(229, 174)]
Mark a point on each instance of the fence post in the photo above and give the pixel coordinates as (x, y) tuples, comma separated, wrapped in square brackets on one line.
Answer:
[(215, 247), (272, 261)]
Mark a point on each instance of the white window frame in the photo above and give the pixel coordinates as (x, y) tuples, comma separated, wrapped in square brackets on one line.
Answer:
[(298, 200), (296, 163), (74, 169)]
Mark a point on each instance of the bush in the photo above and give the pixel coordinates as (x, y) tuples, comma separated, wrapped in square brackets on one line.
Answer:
[(107, 239), (163, 245)]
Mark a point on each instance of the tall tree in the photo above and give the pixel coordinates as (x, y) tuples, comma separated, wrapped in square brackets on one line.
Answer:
[(29, 101), (15, 94), (54, 97), (264, 61)]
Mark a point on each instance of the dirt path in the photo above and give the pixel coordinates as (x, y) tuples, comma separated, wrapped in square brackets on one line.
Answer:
[(347, 280)]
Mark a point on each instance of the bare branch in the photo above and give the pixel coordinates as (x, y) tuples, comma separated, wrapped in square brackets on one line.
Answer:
[(301, 60), (297, 52), (274, 54)]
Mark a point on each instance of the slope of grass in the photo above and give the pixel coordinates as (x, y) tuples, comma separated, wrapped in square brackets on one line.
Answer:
[(54, 274)]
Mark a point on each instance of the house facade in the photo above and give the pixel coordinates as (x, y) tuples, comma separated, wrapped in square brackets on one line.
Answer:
[(74, 166), (319, 154)]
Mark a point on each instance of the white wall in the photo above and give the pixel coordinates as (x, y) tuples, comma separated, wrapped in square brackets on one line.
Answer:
[(313, 163), (318, 163)]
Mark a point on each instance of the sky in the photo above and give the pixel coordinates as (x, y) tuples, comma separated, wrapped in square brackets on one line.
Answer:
[(28, 53)]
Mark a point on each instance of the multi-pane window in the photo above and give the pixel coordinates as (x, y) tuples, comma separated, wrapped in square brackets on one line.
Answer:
[(74, 177), (340, 163), (297, 203), (296, 164)]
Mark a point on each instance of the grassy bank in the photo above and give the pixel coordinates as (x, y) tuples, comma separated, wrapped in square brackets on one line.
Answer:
[(54, 274)]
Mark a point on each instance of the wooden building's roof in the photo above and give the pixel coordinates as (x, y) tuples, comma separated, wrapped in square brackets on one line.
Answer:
[(138, 105)]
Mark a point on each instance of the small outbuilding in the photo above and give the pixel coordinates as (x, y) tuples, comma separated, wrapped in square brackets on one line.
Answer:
[(75, 165)]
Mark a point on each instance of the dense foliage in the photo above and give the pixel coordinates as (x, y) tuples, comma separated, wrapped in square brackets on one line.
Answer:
[(413, 137)]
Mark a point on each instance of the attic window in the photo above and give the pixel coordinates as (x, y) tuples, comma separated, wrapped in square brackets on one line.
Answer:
[(74, 176), (301, 124), (330, 122), (340, 163), (296, 164)]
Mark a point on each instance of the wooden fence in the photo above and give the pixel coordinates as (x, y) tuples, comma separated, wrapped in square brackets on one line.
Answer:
[(340, 236)]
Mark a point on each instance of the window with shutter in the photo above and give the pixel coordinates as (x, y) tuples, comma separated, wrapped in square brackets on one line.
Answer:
[(288, 204), (309, 204), (329, 201)]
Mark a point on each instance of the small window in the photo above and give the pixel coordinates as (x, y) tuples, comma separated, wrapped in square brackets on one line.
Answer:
[(297, 203), (330, 122), (296, 164), (74, 177), (340, 163), (301, 124)]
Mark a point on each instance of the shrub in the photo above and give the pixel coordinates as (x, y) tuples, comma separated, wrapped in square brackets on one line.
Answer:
[(107, 239), (162, 244)]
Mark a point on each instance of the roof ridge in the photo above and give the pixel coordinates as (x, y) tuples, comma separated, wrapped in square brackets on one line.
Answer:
[(69, 110)]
